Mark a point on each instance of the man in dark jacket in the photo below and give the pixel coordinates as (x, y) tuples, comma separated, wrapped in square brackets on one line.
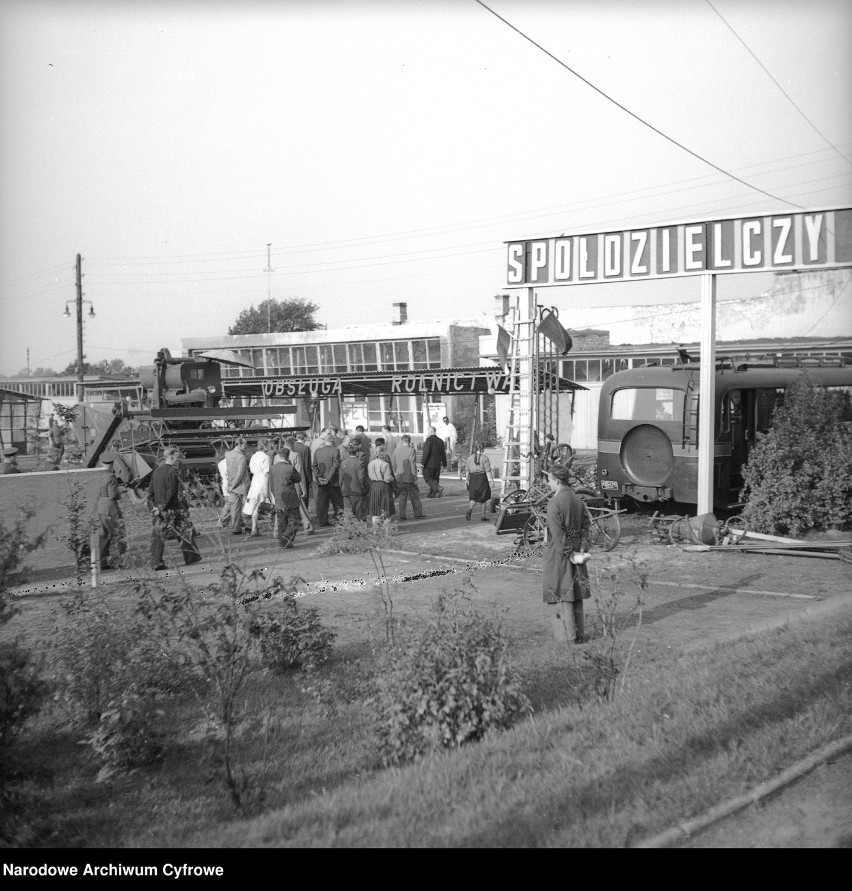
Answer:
[(170, 511), (326, 471), (110, 519), (304, 452), (283, 482), (404, 465), (354, 482), (434, 458)]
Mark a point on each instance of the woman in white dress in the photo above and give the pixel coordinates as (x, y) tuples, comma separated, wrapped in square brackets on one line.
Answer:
[(258, 492)]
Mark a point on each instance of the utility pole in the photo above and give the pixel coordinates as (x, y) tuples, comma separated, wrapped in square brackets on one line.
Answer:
[(269, 270), (28, 361), (79, 328)]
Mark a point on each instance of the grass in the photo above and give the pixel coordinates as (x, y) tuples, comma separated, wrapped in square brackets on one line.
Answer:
[(688, 732), (685, 738)]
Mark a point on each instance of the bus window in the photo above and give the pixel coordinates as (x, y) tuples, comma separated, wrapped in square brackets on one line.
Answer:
[(647, 404), (843, 396), (767, 401)]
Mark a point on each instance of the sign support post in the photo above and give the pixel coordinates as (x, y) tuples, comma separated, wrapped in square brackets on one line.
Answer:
[(707, 394)]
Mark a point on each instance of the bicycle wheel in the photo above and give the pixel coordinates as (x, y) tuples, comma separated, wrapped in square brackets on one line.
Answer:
[(605, 533), (534, 531)]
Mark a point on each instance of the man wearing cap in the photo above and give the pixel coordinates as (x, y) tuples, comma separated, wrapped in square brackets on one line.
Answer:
[(110, 519), (170, 511), (10, 462)]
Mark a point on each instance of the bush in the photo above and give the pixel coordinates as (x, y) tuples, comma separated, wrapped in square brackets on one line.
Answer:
[(21, 691), (799, 474), (15, 544), (97, 656), (353, 536), (445, 685), (292, 637), (124, 738)]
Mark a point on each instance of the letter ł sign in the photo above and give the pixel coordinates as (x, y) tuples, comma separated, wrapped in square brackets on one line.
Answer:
[(810, 239)]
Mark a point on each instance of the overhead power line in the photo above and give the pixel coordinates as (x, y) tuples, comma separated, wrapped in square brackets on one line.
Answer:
[(787, 96), (637, 117)]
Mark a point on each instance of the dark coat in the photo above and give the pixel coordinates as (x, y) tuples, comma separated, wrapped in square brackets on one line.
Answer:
[(568, 526), (307, 472), (434, 452), (326, 465), (353, 475), (283, 480), (166, 488)]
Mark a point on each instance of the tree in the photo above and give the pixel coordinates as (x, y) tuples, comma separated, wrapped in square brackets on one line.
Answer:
[(799, 474), (104, 368), (277, 315), (36, 372)]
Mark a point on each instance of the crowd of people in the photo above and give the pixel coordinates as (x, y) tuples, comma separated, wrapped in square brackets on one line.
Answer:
[(348, 475)]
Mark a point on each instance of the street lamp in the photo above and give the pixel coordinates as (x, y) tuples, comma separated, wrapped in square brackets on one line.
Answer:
[(79, 302)]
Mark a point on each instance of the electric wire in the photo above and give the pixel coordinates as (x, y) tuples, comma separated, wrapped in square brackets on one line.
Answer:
[(637, 117), (783, 91)]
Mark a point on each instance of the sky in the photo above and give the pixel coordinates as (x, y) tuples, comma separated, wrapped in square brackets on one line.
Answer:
[(385, 151)]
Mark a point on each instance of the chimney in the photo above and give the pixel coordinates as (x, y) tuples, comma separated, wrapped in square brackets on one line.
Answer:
[(400, 313), (501, 306)]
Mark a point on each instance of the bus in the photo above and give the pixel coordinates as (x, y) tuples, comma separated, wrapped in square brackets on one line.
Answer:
[(648, 424)]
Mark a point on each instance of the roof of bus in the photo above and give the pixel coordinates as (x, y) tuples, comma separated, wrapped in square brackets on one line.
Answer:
[(680, 376)]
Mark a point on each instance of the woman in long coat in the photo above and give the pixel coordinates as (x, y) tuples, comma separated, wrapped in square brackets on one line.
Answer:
[(566, 582)]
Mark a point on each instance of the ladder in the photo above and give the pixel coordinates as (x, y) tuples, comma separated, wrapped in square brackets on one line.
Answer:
[(518, 454)]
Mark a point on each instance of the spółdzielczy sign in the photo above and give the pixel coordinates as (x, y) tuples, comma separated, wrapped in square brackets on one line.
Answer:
[(808, 240)]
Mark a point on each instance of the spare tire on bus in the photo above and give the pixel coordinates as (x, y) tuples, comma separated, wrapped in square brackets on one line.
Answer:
[(647, 456)]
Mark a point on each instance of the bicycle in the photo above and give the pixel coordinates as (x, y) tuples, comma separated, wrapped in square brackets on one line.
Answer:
[(604, 528)]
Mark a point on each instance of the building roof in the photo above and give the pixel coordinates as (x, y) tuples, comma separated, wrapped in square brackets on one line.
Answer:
[(17, 395)]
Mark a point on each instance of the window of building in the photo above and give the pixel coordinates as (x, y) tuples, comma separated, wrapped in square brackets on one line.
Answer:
[(594, 370), (386, 353), (580, 370), (419, 354), (401, 355), (371, 361)]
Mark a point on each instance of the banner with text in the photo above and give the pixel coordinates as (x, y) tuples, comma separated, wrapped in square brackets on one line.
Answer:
[(805, 241)]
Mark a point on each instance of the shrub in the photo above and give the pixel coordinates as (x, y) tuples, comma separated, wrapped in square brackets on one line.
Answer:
[(15, 544), (353, 536), (207, 633), (446, 684), (98, 655), (79, 525), (21, 691), (124, 738), (799, 474), (292, 637)]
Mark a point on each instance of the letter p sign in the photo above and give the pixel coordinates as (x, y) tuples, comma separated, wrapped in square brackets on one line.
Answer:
[(537, 262)]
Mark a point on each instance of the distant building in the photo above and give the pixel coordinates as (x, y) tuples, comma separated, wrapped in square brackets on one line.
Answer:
[(399, 346), (593, 359)]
